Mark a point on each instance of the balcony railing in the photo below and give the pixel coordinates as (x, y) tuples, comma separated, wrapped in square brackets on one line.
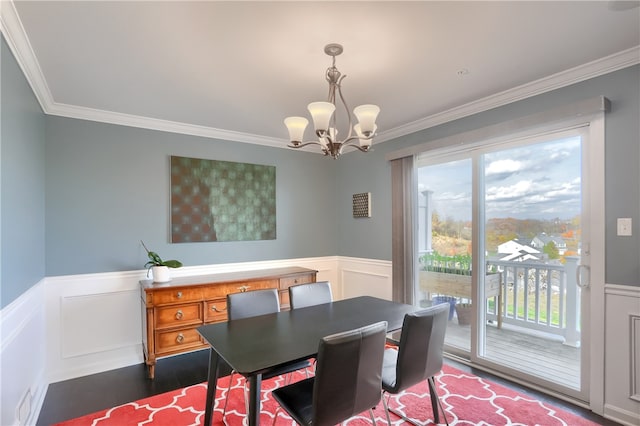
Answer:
[(535, 296)]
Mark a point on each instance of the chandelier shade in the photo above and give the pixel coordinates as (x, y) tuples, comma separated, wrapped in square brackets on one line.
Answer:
[(366, 115), (296, 126), (323, 113)]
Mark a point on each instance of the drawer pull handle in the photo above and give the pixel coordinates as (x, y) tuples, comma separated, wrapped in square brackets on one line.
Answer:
[(215, 309), (244, 288), (179, 295), (179, 314), (180, 338)]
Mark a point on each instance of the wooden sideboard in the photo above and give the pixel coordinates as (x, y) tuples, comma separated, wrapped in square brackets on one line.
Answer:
[(172, 311)]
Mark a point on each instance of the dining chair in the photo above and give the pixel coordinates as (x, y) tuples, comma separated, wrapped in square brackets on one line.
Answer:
[(347, 380), (250, 304), (303, 295), (418, 357)]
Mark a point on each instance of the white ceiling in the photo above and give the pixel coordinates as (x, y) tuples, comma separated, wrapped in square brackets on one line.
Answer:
[(236, 69)]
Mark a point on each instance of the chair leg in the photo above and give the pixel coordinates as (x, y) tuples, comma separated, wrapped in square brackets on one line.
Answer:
[(402, 416), (245, 393), (245, 390), (275, 416), (373, 418), (435, 402), (226, 400), (434, 399), (386, 408)]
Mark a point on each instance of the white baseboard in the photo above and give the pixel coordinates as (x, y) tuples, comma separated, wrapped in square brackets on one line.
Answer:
[(624, 417)]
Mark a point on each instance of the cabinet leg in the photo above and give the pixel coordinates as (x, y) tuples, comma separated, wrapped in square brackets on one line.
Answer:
[(151, 368)]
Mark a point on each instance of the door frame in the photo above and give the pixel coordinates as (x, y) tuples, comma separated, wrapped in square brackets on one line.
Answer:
[(592, 113)]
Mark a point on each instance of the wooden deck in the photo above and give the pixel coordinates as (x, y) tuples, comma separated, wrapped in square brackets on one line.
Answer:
[(548, 359)]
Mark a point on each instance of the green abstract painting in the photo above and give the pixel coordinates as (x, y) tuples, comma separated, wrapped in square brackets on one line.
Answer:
[(222, 201)]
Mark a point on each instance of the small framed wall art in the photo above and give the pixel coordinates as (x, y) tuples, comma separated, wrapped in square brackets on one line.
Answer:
[(362, 204)]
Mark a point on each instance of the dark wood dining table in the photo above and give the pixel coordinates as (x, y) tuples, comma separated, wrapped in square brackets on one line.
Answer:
[(254, 345)]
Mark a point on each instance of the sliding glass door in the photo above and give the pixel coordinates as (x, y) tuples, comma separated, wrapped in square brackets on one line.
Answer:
[(445, 241), (500, 241)]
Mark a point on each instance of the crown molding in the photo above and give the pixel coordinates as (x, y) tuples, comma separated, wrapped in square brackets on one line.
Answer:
[(15, 35), (617, 61), (102, 116), (18, 42)]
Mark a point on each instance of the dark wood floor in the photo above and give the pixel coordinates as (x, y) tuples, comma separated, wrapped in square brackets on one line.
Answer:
[(77, 397)]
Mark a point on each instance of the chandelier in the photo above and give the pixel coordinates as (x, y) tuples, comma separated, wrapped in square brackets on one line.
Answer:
[(359, 136)]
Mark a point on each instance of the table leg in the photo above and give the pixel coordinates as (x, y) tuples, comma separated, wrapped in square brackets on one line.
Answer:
[(253, 416), (212, 384)]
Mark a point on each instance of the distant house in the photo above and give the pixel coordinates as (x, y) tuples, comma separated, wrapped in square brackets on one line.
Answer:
[(542, 239), (517, 251)]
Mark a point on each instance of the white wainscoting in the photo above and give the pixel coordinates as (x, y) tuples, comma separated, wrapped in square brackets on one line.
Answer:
[(94, 321), (360, 277), (23, 355), (622, 354), (71, 326)]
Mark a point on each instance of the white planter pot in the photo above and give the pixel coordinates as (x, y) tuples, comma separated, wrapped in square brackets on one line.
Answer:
[(160, 274)]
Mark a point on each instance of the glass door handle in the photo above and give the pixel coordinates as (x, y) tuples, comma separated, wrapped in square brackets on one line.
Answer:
[(579, 275)]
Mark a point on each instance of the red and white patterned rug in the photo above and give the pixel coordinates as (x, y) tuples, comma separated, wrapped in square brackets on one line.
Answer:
[(467, 399)]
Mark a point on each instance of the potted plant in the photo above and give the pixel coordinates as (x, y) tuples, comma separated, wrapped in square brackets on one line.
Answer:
[(159, 267), (463, 311)]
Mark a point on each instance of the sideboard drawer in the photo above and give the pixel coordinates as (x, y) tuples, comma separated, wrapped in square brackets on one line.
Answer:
[(287, 282), (253, 285), (177, 296), (179, 315), (177, 340), (221, 290), (216, 310)]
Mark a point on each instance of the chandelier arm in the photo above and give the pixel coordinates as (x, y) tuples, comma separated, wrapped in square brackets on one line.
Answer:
[(346, 107), (358, 138), (303, 144), (358, 147)]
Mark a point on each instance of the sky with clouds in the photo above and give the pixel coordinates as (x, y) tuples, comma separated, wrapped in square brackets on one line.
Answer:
[(538, 181)]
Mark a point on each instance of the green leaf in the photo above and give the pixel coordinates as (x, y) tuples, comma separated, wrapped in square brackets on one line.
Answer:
[(172, 263), (156, 260)]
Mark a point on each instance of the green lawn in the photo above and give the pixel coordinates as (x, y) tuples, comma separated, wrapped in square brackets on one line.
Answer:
[(509, 306)]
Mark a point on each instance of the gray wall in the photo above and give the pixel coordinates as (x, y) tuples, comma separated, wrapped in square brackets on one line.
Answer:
[(22, 168), (107, 188), (372, 238)]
